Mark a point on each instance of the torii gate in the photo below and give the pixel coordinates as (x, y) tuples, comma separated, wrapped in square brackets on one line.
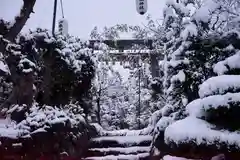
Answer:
[(121, 50)]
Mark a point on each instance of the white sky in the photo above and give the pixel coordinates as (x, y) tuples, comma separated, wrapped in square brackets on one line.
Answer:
[(83, 15)]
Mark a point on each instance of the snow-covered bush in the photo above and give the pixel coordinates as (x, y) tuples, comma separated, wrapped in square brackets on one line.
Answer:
[(190, 48), (211, 121), (108, 97), (46, 118), (45, 129)]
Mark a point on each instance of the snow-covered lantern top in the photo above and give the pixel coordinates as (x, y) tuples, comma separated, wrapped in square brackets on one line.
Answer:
[(63, 26), (142, 6)]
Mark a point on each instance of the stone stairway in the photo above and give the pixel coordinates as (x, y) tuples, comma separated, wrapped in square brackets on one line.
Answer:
[(128, 147)]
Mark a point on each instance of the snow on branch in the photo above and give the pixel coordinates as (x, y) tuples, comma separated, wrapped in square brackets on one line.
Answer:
[(200, 107), (230, 63), (193, 130), (220, 85)]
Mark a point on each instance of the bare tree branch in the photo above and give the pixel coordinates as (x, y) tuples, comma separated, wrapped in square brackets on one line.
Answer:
[(21, 19)]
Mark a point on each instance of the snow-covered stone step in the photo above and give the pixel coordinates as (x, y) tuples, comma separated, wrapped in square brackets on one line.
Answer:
[(125, 139), (141, 156), (126, 132), (118, 151), (120, 141), (123, 132)]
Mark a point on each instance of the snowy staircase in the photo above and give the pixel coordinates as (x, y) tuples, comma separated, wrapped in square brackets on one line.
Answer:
[(119, 148)]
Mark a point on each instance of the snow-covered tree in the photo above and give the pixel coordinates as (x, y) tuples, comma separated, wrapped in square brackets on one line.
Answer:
[(186, 64), (135, 117), (193, 45), (179, 32), (48, 82), (138, 96), (50, 71), (108, 97), (150, 29), (45, 84), (99, 88)]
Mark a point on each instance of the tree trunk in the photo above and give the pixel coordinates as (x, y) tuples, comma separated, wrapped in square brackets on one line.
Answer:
[(21, 19), (98, 105), (98, 111), (23, 92), (47, 78), (154, 65)]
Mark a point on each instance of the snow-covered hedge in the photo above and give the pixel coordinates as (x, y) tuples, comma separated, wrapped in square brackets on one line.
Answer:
[(163, 123), (219, 85), (41, 119), (212, 119), (200, 107), (44, 129), (231, 63), (195, 131)]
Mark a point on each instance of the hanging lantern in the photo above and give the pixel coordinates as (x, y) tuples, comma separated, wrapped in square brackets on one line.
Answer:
[(141, 6), (63, 26)]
